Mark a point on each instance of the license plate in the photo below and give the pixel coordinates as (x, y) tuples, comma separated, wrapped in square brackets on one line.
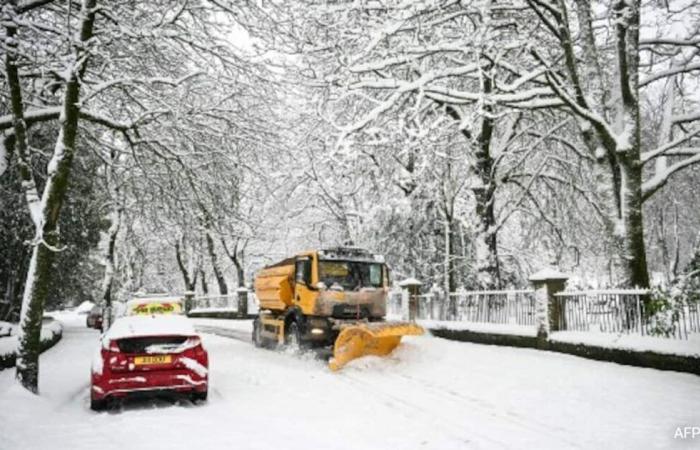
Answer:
[(146, 360)]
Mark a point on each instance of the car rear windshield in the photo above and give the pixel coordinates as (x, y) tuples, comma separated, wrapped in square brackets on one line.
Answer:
[(150, 344)]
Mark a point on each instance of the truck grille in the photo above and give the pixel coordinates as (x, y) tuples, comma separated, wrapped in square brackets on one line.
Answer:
[(348, 311)]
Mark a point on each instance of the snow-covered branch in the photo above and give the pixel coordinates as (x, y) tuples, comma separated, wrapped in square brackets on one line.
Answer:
[(664, 149), (656, 182), (661, 74)]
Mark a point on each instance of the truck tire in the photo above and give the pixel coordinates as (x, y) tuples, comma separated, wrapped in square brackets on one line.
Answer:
[(257, 338), (292, 337)]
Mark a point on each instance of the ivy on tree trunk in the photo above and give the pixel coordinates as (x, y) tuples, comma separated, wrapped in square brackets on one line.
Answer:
[(47, 235)]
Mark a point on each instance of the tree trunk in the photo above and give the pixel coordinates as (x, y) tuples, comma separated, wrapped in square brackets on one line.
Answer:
[(489, 273), (110, 253), (488, 270), (203, 279), (619, 190), (108, 280), (240, 273), (20, 141), (629, 234), (190, 281), (237, 256), (615, 146), (218, 274), (627, 222), (485, 241), (47, 237)]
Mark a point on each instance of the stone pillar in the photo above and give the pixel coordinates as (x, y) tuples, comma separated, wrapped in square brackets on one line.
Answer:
[(242, 302), (189, 301), (548, 312), (412, 288)]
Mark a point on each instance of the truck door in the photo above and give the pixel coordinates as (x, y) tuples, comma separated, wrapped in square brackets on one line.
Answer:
[(302, 277)]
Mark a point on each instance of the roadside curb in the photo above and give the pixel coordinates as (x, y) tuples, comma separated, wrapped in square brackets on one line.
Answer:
[(7, 361), (648, 359)]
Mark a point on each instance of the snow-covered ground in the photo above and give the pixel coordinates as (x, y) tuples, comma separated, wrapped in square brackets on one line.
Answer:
[(430, 394), (690, 346)]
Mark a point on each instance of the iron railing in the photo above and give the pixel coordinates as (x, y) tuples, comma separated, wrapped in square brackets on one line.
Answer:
[(222, 303), (623, 311), (502, 307)]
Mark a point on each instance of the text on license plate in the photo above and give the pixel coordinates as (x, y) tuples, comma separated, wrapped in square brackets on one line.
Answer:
[(159, 359)]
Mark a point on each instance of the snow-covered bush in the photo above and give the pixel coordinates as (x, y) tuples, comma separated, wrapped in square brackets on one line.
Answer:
[(665, 308), (51, 333), (661, 313)]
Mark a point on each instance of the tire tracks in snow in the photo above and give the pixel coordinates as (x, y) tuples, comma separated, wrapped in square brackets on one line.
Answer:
[(81, 393), (457, 431), (438, 396), (456, 397)]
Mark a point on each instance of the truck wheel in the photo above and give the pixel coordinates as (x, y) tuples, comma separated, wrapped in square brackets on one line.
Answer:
[(293, 337), (257, 338)]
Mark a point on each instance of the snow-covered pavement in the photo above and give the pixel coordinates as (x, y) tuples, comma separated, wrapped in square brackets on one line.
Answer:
[(430, 394)]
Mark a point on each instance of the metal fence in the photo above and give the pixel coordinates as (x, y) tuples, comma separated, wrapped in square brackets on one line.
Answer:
[(223, 303), (215, 302), (502, 307), (608, 311), (395, 307), (623, 311)]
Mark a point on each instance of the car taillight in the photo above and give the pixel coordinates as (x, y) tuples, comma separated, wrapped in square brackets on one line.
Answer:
[(113, 356), (193, 344), (193, 341)]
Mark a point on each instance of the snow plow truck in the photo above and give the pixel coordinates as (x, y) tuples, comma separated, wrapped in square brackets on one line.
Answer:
[(328, 298)]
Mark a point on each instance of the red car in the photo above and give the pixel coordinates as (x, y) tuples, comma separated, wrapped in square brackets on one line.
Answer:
[(149, 354)]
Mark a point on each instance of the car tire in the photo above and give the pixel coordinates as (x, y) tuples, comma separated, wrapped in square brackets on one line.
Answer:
[(98, 405), (199, 396)]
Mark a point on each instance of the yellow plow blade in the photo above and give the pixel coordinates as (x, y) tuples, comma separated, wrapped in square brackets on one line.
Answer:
[(377, 339)]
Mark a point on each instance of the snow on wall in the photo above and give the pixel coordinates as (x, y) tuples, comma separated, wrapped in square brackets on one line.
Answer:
[(495, 328), (690, 347)]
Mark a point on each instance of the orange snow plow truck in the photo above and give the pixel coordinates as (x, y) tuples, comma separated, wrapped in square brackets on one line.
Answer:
[(335, 297)]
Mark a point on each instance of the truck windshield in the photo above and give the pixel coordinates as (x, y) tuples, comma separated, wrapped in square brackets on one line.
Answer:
[(350, 275)]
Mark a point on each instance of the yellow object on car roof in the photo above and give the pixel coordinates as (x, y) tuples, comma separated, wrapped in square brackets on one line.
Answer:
[(154, 305)]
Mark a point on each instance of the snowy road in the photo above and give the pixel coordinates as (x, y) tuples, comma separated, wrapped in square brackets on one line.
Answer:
[(430, 394)]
